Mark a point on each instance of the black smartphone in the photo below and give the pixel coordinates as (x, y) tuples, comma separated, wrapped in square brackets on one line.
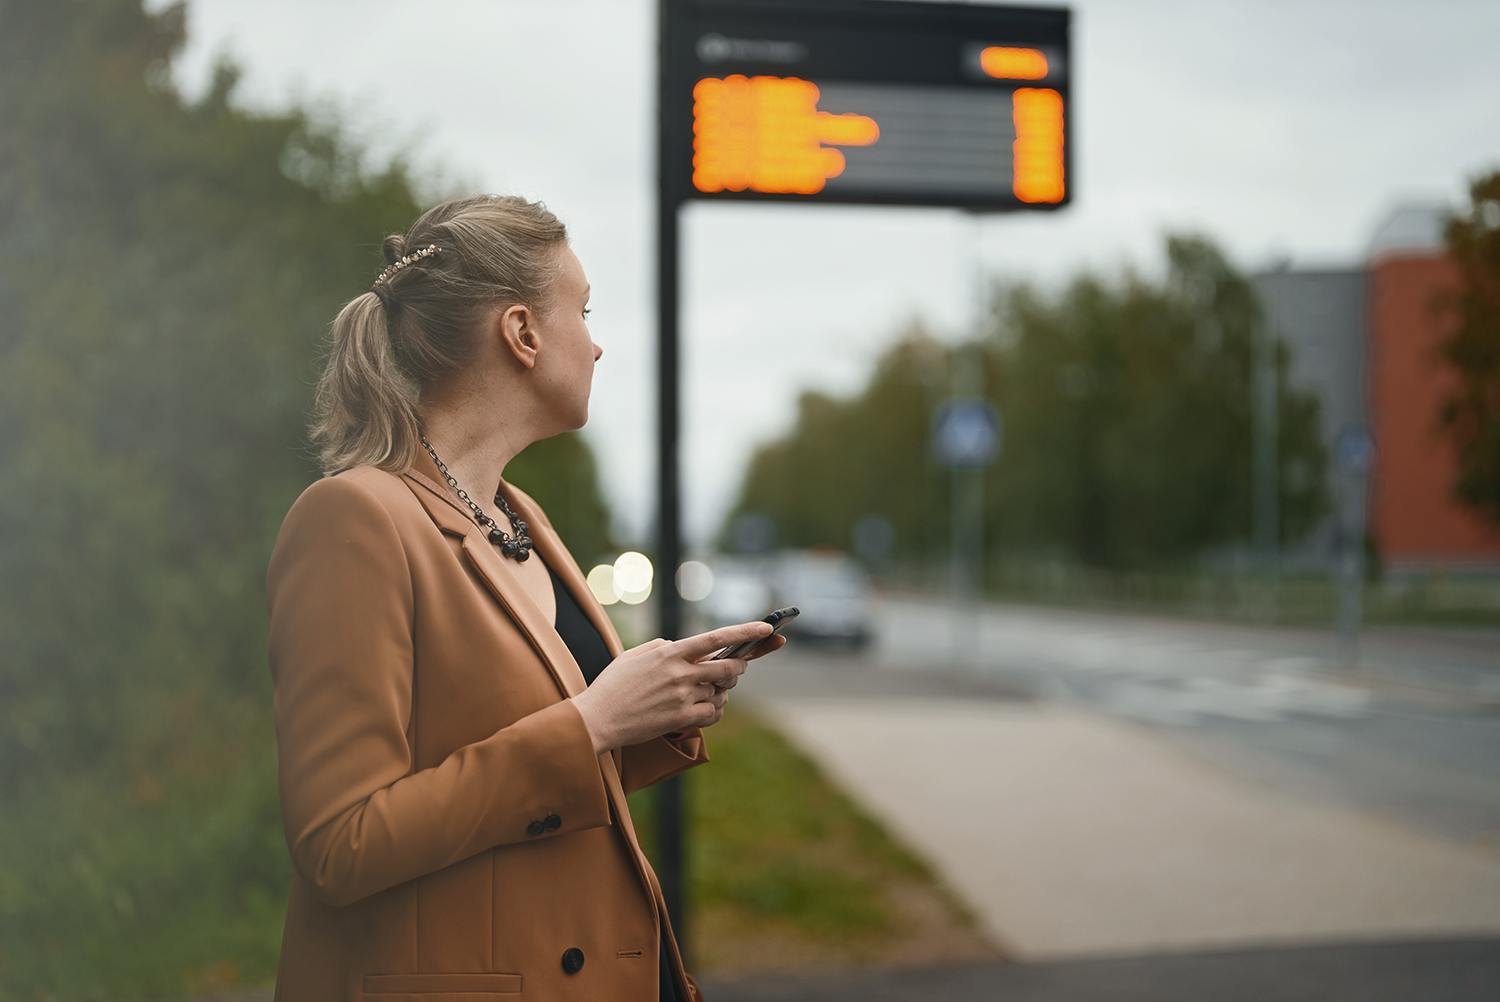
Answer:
[(778, 619)]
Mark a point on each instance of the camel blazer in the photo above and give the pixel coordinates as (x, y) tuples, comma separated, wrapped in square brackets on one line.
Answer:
[(452, 832)]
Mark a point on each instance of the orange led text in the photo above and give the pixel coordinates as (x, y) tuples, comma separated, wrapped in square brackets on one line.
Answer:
[(1039, 145), (1004, 63), (767, 134)]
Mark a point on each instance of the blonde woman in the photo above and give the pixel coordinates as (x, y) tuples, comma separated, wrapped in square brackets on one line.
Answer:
[(457, 722)]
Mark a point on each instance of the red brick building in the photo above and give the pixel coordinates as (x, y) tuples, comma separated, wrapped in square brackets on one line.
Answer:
[(1415, 519)]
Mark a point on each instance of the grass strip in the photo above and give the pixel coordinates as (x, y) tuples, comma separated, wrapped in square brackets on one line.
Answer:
[(786, 871)]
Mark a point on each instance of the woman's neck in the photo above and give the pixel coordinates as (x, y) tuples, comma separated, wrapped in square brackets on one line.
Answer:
[(474, 445)]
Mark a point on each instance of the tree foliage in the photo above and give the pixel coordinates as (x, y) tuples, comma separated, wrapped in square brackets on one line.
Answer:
[(1127, 429), (1471, 414), (167, 274)]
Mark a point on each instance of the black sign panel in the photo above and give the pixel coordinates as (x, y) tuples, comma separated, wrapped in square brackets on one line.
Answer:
[(870, 101)]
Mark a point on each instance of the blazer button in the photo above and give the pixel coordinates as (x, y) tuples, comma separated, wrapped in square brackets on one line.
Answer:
[(535, 828), (553, 823), (572, 960)]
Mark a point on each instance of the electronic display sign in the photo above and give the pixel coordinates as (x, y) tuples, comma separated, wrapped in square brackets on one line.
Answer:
[(867, 101), (884, 102)]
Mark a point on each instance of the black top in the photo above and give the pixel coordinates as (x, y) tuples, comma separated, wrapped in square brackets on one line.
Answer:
[(588, 648), (581, 636)]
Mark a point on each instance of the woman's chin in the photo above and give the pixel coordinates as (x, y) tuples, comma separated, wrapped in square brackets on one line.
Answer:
[(576, 420)]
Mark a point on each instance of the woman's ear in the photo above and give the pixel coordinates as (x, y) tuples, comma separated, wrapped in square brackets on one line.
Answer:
[(517, 329)]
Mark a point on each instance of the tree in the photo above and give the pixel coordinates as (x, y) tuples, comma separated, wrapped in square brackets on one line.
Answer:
[(167, 274), (1127, 429), (846, 460), (1471, 413)]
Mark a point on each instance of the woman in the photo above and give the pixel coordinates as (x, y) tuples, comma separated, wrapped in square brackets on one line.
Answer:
[(457, 723)]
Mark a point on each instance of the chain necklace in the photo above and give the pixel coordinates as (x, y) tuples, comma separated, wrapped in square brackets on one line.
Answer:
[(518, 547)]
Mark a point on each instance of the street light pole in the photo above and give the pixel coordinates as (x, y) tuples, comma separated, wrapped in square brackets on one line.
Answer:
[(1264, 449)]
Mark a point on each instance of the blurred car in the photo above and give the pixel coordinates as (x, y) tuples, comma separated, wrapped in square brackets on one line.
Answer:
[(831, 589), (741, 592)]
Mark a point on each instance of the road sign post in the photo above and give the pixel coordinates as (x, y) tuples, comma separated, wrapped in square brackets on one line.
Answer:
[(873, 102), (1353, 452), (966, 438)]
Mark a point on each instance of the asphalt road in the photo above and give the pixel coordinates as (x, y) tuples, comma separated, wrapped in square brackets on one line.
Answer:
[(1464, 971)]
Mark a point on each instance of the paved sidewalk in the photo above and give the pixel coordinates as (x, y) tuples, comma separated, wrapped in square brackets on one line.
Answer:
[(1075, 835)]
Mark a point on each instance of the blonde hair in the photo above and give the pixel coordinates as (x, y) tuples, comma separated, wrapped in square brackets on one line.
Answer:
[(422, 321)]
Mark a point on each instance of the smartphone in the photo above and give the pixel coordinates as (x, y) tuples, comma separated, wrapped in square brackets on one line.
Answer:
[(778, 620)]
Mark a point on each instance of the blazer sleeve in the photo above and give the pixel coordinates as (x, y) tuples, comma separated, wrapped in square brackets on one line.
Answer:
[(650, 762), (358, 818)]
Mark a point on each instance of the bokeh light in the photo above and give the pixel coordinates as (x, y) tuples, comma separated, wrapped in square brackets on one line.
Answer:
[(632, 576), (602, 584), (695, 581)]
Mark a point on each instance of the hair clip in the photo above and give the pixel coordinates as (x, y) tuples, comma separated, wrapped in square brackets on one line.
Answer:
[(411, 258)]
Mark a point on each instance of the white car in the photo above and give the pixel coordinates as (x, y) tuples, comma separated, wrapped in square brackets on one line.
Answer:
[(741, 592), (831, 589)]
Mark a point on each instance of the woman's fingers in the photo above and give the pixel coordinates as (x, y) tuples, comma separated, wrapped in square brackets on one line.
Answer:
[(725, 674), (767, 646), (720, 674), (716, 699), (694, 648)]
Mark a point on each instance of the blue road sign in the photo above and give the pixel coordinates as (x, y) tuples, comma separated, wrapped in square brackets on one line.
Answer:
[(1353, 449), (966, 434)]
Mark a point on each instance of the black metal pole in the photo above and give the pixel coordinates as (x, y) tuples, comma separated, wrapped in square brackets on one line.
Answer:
[(670, 827), (670, 814)]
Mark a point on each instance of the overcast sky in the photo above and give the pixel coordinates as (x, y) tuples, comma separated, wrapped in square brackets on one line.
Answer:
[(1280, 129)]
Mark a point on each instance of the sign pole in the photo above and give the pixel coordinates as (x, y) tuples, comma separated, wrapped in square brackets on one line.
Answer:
[(1353, 452), (670, 829)]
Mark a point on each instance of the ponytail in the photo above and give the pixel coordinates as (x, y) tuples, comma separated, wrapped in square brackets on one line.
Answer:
[(422, 320), (367, 408)]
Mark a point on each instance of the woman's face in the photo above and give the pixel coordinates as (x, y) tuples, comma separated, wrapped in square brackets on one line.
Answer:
[(565, 361)]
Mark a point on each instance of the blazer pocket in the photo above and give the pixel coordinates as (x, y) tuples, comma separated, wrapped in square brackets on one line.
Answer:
[(450, 987)]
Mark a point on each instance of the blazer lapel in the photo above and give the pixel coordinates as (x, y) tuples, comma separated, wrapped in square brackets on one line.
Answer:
[(499, 578), (492, 569), (550, 545)]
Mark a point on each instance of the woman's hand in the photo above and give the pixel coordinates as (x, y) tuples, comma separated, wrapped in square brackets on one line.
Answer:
[(664, 686)]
